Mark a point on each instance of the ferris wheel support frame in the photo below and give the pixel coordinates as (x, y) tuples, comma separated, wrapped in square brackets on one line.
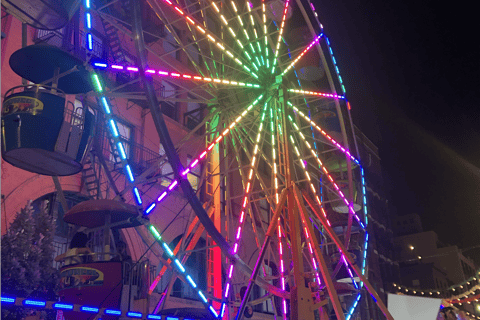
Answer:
[(174, 160)]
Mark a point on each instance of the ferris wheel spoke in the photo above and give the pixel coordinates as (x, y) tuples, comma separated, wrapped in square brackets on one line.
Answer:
[(280, 34), (220, 45), (173, 75), (320, 163), (292, 64), (170, 28), (325, 134), (254, 28), (316, 93), (163, 195), (225, 22), (238, 234)]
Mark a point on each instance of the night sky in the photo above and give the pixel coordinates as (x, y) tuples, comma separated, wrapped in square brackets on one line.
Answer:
[(411, 70)]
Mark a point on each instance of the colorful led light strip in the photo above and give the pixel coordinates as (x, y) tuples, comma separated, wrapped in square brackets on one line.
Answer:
[(335, 65), (178, 265), (264, 20), (321, 165), (202, 155), (234, 35), (176, 75), (249, 7), (292, 64), (365, 247), (314, 125), (210, 37), (88, 26), (29, 303), (314, 93), (244, 205), (280, 33), (99, 88), (282, 267)]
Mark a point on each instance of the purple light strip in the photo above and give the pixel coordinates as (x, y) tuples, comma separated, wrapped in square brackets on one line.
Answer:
[(202, 155), (117, 67), (244, 205)]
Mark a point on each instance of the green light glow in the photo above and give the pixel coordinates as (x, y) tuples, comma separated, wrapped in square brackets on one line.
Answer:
[(97, 83), (155, 233)]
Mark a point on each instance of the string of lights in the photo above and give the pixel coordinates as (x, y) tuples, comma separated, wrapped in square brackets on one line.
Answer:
[(87, 309), (176, 75)]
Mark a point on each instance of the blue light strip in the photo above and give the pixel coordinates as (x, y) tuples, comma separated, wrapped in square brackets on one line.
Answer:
[(99, 88), (34, 303), (365, 247), (133, 314), (335, 65), (113, 312), (8, 300), (63, 306), (89, 309), (82, 308)]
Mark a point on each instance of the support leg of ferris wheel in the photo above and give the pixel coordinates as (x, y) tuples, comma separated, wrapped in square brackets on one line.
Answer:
[(347, 256)]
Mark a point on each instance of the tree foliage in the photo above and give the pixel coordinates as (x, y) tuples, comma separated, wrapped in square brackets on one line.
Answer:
[(27, 256)]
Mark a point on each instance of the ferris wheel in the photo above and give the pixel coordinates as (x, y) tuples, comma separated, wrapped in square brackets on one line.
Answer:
[(277, 182)]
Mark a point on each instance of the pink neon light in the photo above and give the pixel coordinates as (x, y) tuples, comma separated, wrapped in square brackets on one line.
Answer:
[(132, 69), (242, 216), (248, 187), (230, 272), (194, 163), (197, 78), (281, 265), (117, 67), (245, 202), (187, 76), (238, 232), (210, 147), (204, 153), (163, 73), (218, 139), (185, 171), (180, 11), (173, 185), (190, 20), (162, 196), (150, 71), (284, 306), (227, 289), (281, 248), (235, 248), (168, 1), (173, 74)]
